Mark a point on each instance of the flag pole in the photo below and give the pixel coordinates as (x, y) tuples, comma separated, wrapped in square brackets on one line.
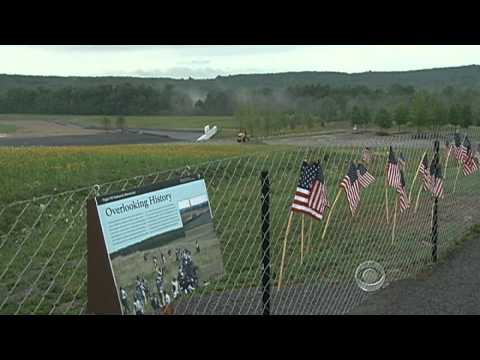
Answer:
[(386, 199), (394, 221), (459, 167), (284, 250), (416, 175), (418, 198), (456, 178), (301, 241), (330, 213), (446, 163), (309, 238)]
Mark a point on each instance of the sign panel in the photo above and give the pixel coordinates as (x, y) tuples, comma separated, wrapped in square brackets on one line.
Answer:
[(161, 243)]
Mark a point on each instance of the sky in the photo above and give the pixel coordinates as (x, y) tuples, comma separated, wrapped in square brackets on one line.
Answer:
[(209, 61)]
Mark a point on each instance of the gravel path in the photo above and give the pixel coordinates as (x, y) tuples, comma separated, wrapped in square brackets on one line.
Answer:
[(453, 288)]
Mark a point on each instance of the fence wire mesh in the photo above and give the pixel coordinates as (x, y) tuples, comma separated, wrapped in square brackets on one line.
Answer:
[(43, 247)]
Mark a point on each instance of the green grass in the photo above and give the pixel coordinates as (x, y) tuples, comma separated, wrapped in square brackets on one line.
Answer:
[(36, 171), (234, 187), (7, 128)]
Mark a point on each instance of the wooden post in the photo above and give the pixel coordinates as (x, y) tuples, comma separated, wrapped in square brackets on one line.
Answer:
[(394, 221), (330, 213), (265, 243), (418, 198), (446, 164), (386, 200), (456, 178), (309, 239), (301, 240), (280, 276), (416, 175)]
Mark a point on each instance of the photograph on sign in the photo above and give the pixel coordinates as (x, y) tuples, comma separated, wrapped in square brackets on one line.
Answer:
[(161, 243)]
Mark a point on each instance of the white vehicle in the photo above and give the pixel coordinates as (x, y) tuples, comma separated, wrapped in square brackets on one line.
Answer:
[(208, 133)]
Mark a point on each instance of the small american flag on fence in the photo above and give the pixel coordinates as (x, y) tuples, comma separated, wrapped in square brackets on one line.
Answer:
[(425, 172), (364, 177), (351, 185), (457, 147), (436, 180), (311, 194), (469, 162), (401, 189), (393, 170), (366, 155)]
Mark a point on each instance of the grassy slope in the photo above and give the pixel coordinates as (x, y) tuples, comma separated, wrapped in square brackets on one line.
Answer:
[(29, 172), (233, 189)]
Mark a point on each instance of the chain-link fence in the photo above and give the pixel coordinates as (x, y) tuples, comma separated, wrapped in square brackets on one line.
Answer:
[(43, 248)]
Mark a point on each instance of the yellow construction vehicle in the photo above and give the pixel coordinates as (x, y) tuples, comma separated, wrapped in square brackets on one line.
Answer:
[(242, 136)]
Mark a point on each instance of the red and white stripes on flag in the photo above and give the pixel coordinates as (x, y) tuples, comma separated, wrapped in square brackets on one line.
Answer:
[(436, 179), (311, 194), (401, 189), (318, 201), (425, 172), (393, 170), (466, 157), (457, 148), (351, 185), (470, 165), (364, 177), (396, 180)]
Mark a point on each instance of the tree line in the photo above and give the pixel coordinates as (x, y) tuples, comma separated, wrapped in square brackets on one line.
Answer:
[(263, 109)]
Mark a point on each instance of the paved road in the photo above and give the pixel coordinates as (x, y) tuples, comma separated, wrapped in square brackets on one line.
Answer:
[(83, 140), (453, 288)]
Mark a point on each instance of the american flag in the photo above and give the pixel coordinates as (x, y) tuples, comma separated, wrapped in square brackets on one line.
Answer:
[(425, 171), (311, 194), (404, 203), (469, 162), (393, 170), (351, 185), (366, 156), (457, 147), (364, 177), (437, 180), (465, 149)]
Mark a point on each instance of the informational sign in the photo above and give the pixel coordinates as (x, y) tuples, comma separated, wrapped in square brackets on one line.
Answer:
[(161, 243)]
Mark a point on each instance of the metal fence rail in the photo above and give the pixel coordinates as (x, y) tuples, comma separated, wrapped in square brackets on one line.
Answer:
[(43, 240)]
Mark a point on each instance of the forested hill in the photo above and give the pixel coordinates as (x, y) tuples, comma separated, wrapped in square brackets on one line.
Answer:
[(431, 79), (329, 96)]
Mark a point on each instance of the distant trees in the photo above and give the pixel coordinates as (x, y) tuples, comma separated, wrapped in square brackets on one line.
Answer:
[(383, 119), (265, 110), (466, 116), (401, 116)]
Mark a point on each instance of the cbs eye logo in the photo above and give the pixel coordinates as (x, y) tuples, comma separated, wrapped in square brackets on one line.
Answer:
[(370, 276)]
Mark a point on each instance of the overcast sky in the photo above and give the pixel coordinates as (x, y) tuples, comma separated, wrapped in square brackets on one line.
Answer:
[(208, 61)]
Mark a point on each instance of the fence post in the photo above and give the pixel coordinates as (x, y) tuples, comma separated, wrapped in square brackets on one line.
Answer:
[(265, 242), (435, 210)]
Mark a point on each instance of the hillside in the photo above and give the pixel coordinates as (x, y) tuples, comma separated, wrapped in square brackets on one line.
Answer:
[(461, 77)]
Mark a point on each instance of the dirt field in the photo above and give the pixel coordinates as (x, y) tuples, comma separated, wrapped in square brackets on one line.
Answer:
[(349, 139), (55, 133), (40, 128)]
